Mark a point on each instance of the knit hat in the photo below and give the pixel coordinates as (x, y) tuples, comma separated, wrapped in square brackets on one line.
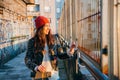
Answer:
[(40, 21)]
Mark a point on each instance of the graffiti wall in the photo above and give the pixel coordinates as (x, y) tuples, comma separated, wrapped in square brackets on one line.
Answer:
[(15, 29), (13, 38)]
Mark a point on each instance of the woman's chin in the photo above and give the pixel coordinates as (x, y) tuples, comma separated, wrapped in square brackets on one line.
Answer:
[(46, 33)]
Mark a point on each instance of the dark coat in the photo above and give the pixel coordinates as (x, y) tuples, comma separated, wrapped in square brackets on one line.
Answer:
[(33, 59)]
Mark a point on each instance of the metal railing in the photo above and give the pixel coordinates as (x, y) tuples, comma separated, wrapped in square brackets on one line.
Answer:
[(92, 67), (84, 58)]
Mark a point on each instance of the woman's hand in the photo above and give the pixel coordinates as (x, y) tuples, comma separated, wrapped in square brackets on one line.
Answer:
[(43, 52), (41, 68), (72, 48)]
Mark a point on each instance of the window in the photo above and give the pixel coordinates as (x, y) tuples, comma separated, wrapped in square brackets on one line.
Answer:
[(48, 0), (36, 1), (89, 36), (37, 8), (30, 8), (1, 11), (58, 10), (47, 9), (58, 0)]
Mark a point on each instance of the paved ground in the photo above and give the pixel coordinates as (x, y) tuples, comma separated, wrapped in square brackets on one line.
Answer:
[(15, 69), (86, 75)]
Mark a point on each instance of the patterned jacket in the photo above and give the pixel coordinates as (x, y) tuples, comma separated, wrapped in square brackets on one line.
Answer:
[(33, 59)]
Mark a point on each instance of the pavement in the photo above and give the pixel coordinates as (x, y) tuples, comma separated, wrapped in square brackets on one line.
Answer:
[(15, 69), (86, 75)]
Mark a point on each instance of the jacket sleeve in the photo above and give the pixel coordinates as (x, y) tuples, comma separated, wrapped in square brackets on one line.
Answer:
[(30, 55)]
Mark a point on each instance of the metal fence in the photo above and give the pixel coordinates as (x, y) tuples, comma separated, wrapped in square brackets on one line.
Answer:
[(81, 21)]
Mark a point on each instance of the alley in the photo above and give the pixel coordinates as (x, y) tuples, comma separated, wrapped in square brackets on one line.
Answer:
[(15, 69), (93, 26)]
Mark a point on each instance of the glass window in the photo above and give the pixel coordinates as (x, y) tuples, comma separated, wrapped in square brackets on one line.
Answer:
[(37, 8), (58, 10), (58, 0), (47, 9), (30, 8), (37, 2)]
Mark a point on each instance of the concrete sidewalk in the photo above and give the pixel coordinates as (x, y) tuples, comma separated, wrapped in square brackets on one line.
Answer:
[(15, 69), (86, 75)]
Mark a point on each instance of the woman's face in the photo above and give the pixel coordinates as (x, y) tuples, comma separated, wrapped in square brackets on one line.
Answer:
[(46, 28)]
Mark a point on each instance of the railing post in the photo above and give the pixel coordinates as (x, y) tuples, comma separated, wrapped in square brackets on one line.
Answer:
[(101, 2), (70, 21), (110, 45)]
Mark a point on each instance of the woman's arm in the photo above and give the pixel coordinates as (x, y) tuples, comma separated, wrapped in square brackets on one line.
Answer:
[(66, 52), (30, 55)]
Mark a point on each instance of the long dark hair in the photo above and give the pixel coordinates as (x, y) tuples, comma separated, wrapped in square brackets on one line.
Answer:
[(41, 39)]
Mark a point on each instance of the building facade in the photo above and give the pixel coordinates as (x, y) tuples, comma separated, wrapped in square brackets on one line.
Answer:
[(47, 8), (59, 5), (95, 24), (112, 17), (33, 10), (15, 29), (13, 19)]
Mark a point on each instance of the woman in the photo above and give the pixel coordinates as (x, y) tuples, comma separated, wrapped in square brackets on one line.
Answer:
[(40, 56)]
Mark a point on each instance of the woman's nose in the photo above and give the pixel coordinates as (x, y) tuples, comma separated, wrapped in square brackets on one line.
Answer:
[(48, 27)]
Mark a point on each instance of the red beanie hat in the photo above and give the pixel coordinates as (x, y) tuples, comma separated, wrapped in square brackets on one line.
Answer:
[(40, 21)]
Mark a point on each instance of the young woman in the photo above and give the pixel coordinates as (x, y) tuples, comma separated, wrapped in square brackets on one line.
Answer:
[(40, 56)]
